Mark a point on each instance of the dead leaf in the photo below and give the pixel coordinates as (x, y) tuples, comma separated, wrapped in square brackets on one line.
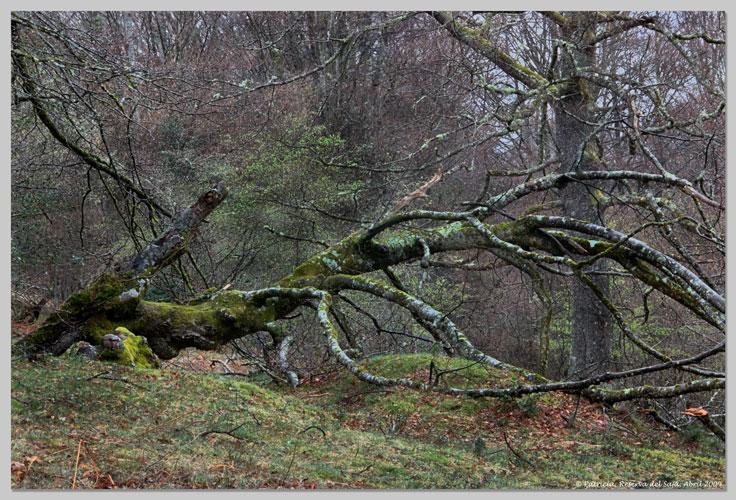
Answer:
[(105, 483), (696, 412), (18, 470)]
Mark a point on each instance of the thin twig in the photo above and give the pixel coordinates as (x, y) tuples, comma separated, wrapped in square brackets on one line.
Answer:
[(76, 464), (571, 418), (517, 454), (116, 379), (229, 433)]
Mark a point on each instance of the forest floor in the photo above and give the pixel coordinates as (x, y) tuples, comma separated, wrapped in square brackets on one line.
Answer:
[(82, 424)]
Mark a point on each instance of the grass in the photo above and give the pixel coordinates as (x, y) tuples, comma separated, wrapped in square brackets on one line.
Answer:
[(144, 428)]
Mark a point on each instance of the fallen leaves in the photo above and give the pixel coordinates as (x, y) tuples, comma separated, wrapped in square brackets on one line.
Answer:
[(22, 328), (105, 483), (222, 467), (19, 470), (294, 484)]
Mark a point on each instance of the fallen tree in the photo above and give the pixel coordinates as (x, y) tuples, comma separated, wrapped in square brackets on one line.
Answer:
[(115, 302)]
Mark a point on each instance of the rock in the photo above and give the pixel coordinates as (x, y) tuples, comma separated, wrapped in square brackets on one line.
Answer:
[(112, 341), (87, 350), (128, 295)]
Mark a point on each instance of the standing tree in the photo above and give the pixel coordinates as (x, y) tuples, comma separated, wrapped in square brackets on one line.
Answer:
[(593, 99)]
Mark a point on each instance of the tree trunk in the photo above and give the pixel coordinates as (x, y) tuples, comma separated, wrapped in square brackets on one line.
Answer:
[(591, 325)]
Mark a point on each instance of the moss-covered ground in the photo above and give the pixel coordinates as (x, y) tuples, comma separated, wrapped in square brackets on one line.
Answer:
[(95, 425)]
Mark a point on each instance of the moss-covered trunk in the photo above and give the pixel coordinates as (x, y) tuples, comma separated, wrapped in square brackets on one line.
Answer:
[(118, 300), (115, 298)]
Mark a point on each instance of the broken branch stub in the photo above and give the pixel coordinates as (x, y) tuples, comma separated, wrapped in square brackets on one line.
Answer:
[(175, 239)]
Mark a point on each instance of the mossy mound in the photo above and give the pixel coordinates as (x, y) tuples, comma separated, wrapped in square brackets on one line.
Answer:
[(136, 351), (133, 351)]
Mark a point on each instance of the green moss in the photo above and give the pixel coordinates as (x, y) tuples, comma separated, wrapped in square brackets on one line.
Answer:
[(223, 318), (99, 298), (460, 373), (80, 305), (97, 327), (136, 351), (45, 335), (104, 289), (341, 258), (515, 231), (350, 256), (476, 37)]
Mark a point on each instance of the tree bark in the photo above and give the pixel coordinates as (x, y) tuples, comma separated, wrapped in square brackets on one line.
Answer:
[(115, 302), (117, 299), (591, 324)]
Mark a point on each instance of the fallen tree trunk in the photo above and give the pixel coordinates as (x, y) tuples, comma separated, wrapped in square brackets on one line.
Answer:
[(116, 303), (116, 297)]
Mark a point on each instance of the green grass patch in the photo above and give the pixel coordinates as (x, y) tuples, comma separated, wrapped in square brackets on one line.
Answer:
[(150, 428)]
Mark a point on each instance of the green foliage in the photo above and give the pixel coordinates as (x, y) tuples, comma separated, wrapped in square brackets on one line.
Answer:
[(155, 294), (695, 433), (613, 445), (290, 170), (441, 293), (273, 178), (177, 151)]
